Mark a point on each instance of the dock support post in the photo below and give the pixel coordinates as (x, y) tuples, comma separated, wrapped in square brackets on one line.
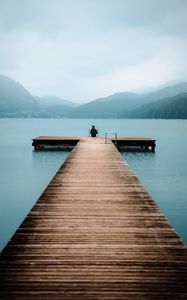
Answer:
[(153, 147), (116, 139), (105, 138)]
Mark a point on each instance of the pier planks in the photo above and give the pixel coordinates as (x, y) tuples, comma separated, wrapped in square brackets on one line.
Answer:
[(94, 233), (122, 143)]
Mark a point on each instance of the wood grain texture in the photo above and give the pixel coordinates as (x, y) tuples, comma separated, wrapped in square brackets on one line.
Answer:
[(94, 233)]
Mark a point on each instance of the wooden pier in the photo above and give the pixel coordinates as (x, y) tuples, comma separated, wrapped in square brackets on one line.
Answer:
[(122, 143), (94, 234)]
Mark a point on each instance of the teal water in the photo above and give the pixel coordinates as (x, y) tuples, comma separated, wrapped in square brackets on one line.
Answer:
[(24, 174)]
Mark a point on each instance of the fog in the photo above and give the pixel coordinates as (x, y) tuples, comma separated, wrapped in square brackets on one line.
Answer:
[(84, 49)]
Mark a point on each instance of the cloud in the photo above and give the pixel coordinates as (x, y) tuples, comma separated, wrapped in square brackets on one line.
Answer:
[(59, 15), (82, 49)]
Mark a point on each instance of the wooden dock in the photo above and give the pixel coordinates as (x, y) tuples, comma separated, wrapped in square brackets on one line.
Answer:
[(94, 234), (121, 143)]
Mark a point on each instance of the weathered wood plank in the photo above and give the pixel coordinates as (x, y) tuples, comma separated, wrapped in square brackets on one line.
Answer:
[(94, 233)]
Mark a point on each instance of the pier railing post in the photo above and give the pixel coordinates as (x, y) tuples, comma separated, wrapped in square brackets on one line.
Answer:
[(115, 137)]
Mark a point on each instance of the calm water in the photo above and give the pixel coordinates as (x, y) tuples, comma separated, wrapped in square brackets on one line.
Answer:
[(24, 173)]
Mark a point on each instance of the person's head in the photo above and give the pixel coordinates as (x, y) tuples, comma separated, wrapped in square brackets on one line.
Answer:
[(93, 126)]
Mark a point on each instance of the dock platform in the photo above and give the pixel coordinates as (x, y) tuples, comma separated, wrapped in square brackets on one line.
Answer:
[(122, 143), (94, 234)]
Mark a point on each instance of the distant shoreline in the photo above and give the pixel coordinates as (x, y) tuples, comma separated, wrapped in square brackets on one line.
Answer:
[(86, 118)]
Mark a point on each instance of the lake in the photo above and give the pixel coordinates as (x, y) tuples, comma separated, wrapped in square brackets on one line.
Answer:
[(24, 174)]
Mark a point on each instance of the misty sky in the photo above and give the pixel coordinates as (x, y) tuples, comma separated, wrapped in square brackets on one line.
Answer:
[(84, 49)]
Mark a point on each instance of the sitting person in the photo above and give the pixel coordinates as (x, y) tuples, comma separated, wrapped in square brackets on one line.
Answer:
[(93, 131)]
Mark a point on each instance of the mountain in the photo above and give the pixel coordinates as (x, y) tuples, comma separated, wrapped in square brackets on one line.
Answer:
[(151, 89), (14, 98), (168, 102), (108, 107), (58, 111), (168, 108), (113, 105), (166, 92), (47, 101)]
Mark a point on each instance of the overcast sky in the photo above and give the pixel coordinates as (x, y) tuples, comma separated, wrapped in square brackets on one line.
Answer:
[(84, 49)]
